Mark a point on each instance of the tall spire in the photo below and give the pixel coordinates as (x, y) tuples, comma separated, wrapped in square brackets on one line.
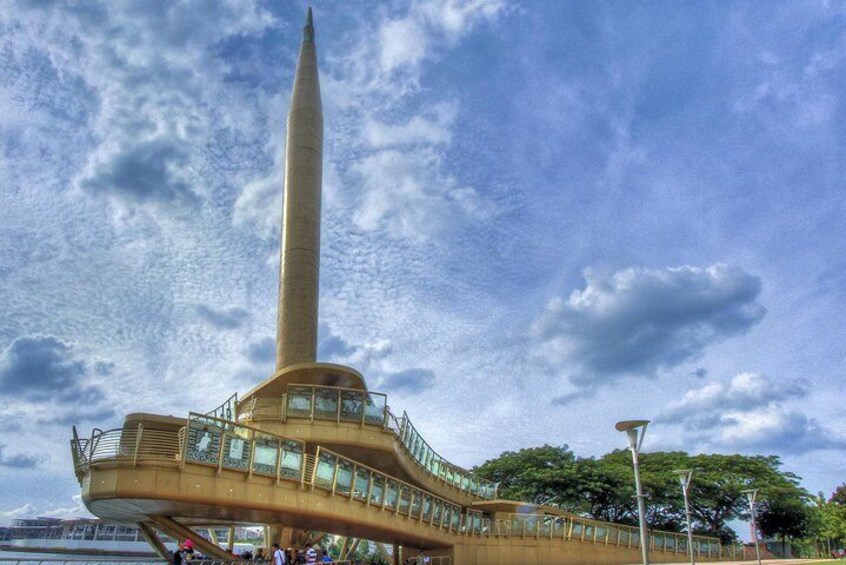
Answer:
[(296, 338), (308, 30)]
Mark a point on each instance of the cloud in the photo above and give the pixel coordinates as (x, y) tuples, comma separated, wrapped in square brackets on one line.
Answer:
[(18, 461), (38, 368), (749, 413), (43, 370), (225, 318), (745, 392), (638, 321), (409, 196), (262, 351), (411, 381), (429, 128), (700, 372), (143, 172), (6, 516), (76, 510)]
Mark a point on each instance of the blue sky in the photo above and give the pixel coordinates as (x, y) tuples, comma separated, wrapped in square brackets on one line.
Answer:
[(539, 218)]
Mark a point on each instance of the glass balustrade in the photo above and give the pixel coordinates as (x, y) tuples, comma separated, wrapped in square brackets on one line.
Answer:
[(213, 441)]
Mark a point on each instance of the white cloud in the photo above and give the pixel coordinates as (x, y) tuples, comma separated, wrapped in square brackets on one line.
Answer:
[(638, 321), (750, 412), (6, 516)]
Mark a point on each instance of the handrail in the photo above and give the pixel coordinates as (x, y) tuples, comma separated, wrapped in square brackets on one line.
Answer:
[(232, 446), (228, 410), (405, 495), (351, 405), (423, 454)]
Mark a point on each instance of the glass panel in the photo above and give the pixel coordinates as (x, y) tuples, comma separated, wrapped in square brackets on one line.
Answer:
[(267, 453), (447, 515), (299, 401), (325, 470), (477, 522), (427, 507), (375, 409), (351, 405), (362, 480), (292, 460), (343, 484), (576, 532), (405, 499), (391, 495), (237, 454), (456, 518), (601, 533), (203, 443), (326, 403), (378, 491), (416, 499), (438, 512)]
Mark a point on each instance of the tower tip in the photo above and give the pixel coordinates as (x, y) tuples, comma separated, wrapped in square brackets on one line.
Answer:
[(308, 30)]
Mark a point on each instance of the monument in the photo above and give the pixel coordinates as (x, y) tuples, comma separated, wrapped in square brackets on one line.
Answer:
[(311, 451)]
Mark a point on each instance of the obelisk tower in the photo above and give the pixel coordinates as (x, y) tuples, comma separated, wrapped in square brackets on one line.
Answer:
[(296, 338)]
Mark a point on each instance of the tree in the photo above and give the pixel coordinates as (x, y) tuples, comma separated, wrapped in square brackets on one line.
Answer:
[(536, 474), (785, 517)]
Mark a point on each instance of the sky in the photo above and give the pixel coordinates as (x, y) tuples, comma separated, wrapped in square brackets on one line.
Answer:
[(539, 218)]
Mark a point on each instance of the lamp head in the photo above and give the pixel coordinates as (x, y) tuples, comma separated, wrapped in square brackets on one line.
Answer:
[(626, 425), (750, 494)]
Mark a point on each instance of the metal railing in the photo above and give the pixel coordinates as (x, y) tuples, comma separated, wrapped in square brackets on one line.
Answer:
[(343, 476), (576, 528), (207, 440), (349, 405)]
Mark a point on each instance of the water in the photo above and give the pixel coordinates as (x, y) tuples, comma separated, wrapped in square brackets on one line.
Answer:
[(76, 558)]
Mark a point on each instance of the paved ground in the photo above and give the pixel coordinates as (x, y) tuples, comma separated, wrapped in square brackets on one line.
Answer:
[(764, 561)]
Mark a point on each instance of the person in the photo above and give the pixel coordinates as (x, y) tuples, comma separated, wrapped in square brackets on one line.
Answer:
[(278, 556), (259, 556), (178, 556), (310, 555), (326, 558), (188, 553)]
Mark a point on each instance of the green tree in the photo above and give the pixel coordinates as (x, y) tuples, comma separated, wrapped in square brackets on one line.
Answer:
[(785, 517), (536, 474)]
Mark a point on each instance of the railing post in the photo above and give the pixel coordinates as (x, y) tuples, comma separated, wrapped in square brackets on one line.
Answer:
[(137, 444), (185, 443), (313, 396), (338, 408), (369, 487), (284, 408), (335, 474), (222, 451), (279, 453), (352, 480), (252, 456), (363, 407)]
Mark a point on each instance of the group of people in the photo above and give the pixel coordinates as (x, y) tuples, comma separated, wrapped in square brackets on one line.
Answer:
[(308, 556)]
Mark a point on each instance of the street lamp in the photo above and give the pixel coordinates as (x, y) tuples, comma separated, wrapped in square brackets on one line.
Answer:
[(750, 496), (685, 476), (632, 427)]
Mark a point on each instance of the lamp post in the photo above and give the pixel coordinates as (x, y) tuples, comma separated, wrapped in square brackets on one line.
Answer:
[(751, 494), (685, 476), (632, 429)]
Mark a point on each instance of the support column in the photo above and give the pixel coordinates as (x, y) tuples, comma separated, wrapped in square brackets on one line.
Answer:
[(153, 539), (396, 555), (180, 531), (230, 540)]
